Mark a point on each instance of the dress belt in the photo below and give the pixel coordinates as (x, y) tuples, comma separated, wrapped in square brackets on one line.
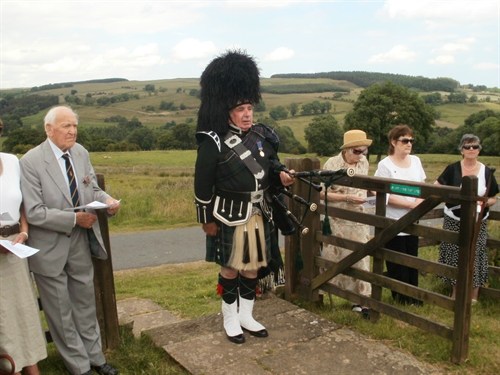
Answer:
[(8, 230)]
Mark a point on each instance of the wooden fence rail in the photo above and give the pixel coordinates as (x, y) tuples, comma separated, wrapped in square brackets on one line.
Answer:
[(306, 250)]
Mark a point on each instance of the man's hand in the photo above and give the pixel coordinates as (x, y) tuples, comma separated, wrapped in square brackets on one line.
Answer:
[(287, 178), (210, 229), (85, 219), (114, 206)]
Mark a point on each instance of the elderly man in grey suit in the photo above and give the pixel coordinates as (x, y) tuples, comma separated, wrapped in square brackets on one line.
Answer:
[(57, 176)]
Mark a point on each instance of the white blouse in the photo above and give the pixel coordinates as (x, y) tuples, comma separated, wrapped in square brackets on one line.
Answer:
[(10, 190)]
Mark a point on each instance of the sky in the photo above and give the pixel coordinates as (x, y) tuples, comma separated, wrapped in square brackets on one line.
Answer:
[(48, 41)]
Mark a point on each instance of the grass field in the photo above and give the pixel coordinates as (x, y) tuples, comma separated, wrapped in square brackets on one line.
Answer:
[(156, 189)]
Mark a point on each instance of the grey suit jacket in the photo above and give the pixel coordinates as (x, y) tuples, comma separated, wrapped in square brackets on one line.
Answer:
[(46, 196)]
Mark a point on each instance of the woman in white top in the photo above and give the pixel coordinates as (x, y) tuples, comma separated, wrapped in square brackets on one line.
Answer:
[(469, 147), (401, 165), (21, 335)]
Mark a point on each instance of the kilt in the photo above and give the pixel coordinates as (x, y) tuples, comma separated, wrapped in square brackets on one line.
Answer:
[(220, 247)]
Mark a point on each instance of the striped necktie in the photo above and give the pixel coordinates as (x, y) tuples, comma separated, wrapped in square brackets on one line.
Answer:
[(72, 181)]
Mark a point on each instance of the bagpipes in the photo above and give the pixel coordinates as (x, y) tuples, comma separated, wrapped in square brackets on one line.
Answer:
[(284, 219)]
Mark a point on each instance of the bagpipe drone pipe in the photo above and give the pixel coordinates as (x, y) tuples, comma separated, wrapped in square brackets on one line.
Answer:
[(284, 219)]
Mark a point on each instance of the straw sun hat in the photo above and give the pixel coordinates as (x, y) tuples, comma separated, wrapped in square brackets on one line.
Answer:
[(353, 138)]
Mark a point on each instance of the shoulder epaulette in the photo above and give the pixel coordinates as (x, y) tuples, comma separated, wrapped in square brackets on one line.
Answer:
[(212, 135)]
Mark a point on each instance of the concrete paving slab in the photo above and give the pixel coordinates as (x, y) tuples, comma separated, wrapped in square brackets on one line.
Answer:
[(299, 342), (143, 314)]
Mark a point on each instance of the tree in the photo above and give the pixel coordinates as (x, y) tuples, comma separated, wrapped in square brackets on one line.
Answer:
[(489, 133), (288, 143), (178, 137), (260, 107), (324, 135), (24, 136), (382, 106), (457, 97), (143, 137), (149, 88), (278, 113), (294, 108), (434, 98)]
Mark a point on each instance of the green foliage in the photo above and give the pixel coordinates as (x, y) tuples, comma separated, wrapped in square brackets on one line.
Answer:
[(324, 135), (382, 106), (260, 107), (288, 143), (457, 97), (149, 88), (434, 99), (27, 137), (25, 105), (315, 108), (142, 137), (278, 113), (484, 124), (366, 79), (302, 88)]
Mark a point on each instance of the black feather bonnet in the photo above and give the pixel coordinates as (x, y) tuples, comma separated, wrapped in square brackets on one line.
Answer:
[(229, 80)]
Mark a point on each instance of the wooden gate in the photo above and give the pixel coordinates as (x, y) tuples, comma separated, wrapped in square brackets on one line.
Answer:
[(309, 281)]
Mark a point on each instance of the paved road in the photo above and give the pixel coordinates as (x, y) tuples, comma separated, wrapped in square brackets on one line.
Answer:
[(153, 248)]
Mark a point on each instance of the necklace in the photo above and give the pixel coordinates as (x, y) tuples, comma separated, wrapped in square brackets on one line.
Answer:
[(469, 168)]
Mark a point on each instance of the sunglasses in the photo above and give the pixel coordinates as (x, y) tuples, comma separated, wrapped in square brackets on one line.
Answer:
[(406, 140), (471, 147), (359, 152)]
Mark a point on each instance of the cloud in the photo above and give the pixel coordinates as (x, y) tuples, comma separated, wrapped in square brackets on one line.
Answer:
[(109, 17), (452, 11), (396, 53), (463, 45), (486, 66), (253, 4), (280, 54), (442, 60), (447, 52), (191, 48)]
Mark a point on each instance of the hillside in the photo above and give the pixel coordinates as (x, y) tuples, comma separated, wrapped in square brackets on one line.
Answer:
[(159, 102)]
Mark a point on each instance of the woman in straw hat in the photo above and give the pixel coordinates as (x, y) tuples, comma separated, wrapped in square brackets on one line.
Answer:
[(236, 166), (352, 155), (401, 165)]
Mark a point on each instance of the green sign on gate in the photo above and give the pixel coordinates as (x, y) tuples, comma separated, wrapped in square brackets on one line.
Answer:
[(405, 189)]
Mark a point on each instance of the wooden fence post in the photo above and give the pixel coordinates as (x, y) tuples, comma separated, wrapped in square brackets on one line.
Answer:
[(462, 317), (300, 250), (104, 286)]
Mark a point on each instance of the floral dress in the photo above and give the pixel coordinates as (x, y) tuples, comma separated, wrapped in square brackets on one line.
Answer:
[(348, 229)]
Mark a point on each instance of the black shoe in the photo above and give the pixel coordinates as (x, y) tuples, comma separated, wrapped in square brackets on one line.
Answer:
[(238, 339), (365, 313), (105, 369), (261, 333)]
